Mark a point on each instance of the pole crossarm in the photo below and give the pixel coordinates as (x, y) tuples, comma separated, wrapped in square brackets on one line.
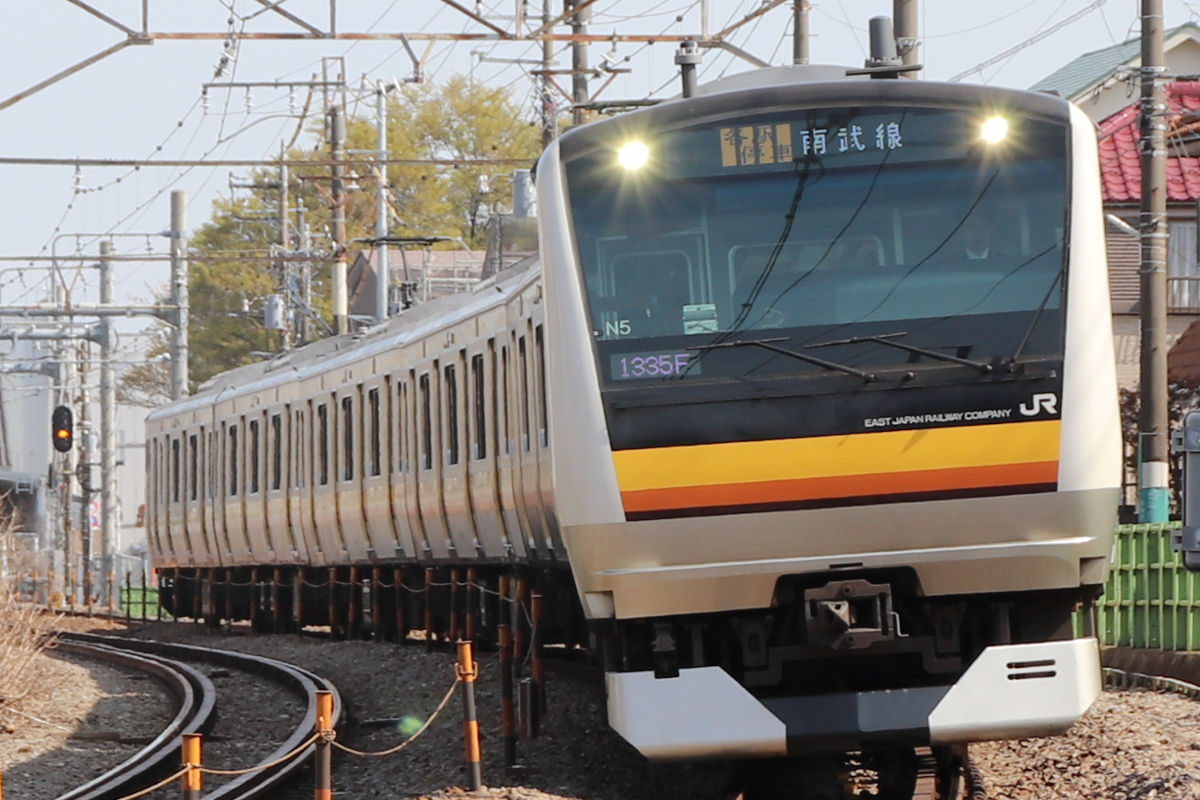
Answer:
[(87, 310), (500, 31), (87, 62), (276, 7)]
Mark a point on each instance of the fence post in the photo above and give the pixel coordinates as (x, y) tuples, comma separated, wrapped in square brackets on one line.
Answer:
[(192, 779), (129, 597), (322, 759), (467, 671)]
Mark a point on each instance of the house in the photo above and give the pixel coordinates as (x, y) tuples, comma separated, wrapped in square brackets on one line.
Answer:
[(1106, 85)]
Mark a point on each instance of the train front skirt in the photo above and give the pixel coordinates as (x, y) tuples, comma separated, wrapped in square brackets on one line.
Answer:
[(1010, 691)]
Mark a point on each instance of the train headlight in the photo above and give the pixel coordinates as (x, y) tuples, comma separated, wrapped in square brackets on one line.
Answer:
[(994, 129), (633, 155)]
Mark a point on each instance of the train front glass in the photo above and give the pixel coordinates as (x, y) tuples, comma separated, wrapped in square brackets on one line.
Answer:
[(707, 250)]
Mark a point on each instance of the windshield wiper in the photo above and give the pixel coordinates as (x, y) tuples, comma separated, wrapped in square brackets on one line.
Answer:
[(886, 340), (769, 344)]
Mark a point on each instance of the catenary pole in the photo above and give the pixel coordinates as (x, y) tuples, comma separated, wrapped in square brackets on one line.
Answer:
[(337, 142), (383, 278), (579, 60), (179, 295), (1153, 472), (108, 426)]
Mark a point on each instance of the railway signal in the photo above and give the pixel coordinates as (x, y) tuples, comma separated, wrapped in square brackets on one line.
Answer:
[(62, 425)]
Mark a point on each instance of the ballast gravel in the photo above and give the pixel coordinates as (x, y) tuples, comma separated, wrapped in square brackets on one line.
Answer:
[(1132, 745)]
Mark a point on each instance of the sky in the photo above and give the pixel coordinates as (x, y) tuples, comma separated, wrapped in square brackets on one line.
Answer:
[(147, 101)]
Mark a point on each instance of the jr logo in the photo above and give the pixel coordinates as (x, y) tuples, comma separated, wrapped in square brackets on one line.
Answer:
[(1043, 401)]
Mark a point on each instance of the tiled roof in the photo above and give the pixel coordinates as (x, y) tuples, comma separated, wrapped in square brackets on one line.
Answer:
[(1091, 68), (1120, 161)]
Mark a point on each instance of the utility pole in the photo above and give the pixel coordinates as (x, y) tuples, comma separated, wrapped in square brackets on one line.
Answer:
[(108, 426), (1153, 471), (905, 13), (84, 470), (549, 121), (337, 143), (800, 31), (383, 277), (179, 295), (285, 245), (579, 59)]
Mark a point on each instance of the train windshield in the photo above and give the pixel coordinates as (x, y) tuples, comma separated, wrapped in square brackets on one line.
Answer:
[(822, 231)]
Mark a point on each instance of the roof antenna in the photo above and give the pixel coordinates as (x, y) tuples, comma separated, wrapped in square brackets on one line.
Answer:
[(687, 57), (884, 61)]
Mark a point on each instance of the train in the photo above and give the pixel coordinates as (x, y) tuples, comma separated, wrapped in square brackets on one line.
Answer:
[(803, 421)]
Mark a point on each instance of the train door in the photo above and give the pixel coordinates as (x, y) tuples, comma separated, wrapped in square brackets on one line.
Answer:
[(235, 476), (209, 498), (255, 494), (507, 468), (299, 528), (481, 458), (324, 503), (429, 470), (456, 502), (175, 531), (347, 458), (400, 465), (275, 487), (193, 505), (374, 496), (545, 476), (529, 494)]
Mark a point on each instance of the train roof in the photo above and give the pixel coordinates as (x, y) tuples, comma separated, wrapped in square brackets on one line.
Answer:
[(325, 354)]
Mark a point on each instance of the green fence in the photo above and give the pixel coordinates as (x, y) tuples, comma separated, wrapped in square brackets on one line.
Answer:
[(1151, 600)]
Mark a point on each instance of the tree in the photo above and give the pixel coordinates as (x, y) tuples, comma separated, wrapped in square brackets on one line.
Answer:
[(231, 267)]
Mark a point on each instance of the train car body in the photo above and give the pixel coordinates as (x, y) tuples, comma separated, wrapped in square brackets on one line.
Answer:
[(815, 477)]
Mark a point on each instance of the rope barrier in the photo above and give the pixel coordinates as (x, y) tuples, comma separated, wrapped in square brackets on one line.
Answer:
[(409, 740), (269, 765)]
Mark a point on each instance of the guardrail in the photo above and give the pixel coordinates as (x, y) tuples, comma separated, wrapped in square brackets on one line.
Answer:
[(1151, 600)]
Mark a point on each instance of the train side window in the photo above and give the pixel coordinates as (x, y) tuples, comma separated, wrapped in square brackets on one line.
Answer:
[(193, 468), (233, 460), (451, 389), (478, 398), (521, 354), (252, 459), (373, 436), (426, 424), (174, 470), (347, 438), (323, 444), (276, 451), (543, 426)]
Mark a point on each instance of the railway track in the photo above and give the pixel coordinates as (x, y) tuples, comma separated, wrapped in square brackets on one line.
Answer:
[(196, 702)]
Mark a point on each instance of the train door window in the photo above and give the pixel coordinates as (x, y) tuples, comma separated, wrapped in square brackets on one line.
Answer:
[(233, 459), (401, 428), (276, 451), (373, 437), (193, 468), (524, 399), (503, 398), (478, 410), (212, 463), (298, 450), (539, 341), (451, 389), (252, 459), (174, 470), (323, 444), (426, 425), (347, 438)]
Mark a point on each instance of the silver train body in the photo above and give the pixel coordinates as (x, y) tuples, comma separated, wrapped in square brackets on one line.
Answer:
[(820, 480)]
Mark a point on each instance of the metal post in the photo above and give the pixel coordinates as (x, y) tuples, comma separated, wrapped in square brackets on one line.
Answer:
[(507, 717), (467, 671), (906, 29), (193, 779), (337, 142), (549, 115), (323, 757), (179, 295), (579, 61), (382, 275), (108, 423), (800, 31), (1153, 471)]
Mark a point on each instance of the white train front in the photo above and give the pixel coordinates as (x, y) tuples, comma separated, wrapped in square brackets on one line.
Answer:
[(816, 403)]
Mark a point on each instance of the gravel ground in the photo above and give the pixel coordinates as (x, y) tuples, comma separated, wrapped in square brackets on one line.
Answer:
[(1133, 745)]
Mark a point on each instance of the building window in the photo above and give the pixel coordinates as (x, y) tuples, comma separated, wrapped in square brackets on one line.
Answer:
[(1183, 273)]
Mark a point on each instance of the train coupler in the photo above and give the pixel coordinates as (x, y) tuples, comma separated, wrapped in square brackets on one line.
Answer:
[(848, 615)]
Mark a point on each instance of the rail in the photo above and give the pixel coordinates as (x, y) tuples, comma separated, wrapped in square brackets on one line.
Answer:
[(288, 758)]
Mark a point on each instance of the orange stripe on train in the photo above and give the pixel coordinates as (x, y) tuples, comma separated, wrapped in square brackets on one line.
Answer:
[(840, 487)]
